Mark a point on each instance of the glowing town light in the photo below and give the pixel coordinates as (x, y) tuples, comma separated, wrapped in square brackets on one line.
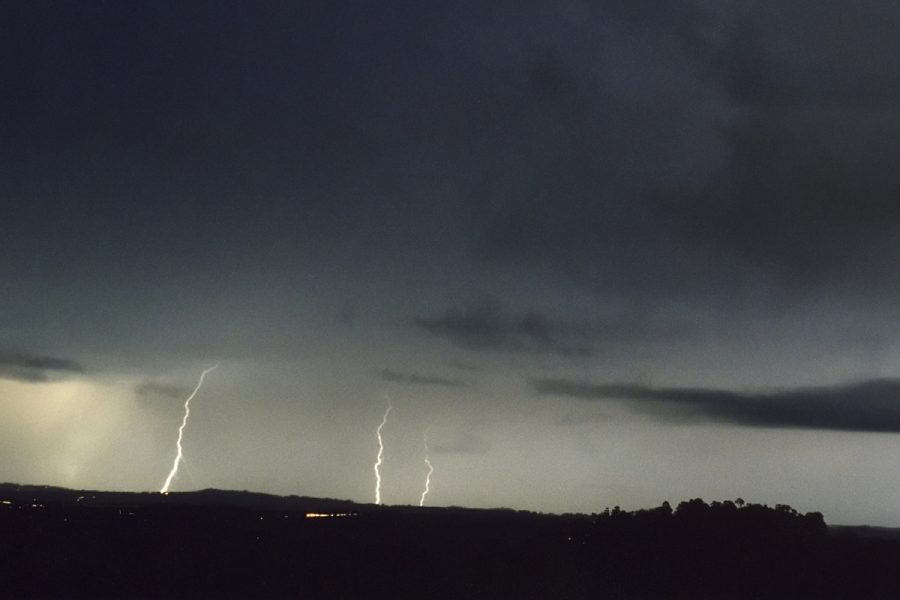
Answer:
[(380, 459), (179, 457), (430, 470)]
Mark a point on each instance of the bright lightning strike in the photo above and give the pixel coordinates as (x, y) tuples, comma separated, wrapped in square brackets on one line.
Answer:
[(179, 458), (430, 470), (380, 458)]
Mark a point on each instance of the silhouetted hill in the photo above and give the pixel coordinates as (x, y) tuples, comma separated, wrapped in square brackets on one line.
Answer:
[(866, 531), (208, 497), (58, 543)]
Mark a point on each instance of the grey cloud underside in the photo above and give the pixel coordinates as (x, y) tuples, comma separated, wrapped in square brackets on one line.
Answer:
[(869, 406), (462, 365), (417, 379), (487, 327), (154, 389), (36, 368)]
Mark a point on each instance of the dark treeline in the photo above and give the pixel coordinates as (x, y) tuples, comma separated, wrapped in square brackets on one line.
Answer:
[(66, 544)]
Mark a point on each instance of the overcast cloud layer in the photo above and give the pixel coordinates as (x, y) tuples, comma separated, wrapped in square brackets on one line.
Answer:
[(455, 205)]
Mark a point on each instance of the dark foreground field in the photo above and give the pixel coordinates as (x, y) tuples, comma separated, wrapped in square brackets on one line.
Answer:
[(58, 543)]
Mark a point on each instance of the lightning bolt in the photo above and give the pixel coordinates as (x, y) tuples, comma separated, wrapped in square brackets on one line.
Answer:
[(380, 458), (179, 458), (430, 470)]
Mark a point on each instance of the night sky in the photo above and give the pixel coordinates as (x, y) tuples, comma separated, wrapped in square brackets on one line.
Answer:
[(607, 253)]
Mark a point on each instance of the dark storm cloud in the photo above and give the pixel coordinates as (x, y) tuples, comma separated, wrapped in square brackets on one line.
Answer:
[(582, 203), (486, 326), (808, 194), (808, 198), (417, 379), (298, 127), (805, 54), (155, 389), (798, 122), (36, 368), (872, 406), (660, 151), (294, 130)]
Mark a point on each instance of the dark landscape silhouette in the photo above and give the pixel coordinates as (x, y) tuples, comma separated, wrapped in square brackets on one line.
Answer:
[(60, 543)]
